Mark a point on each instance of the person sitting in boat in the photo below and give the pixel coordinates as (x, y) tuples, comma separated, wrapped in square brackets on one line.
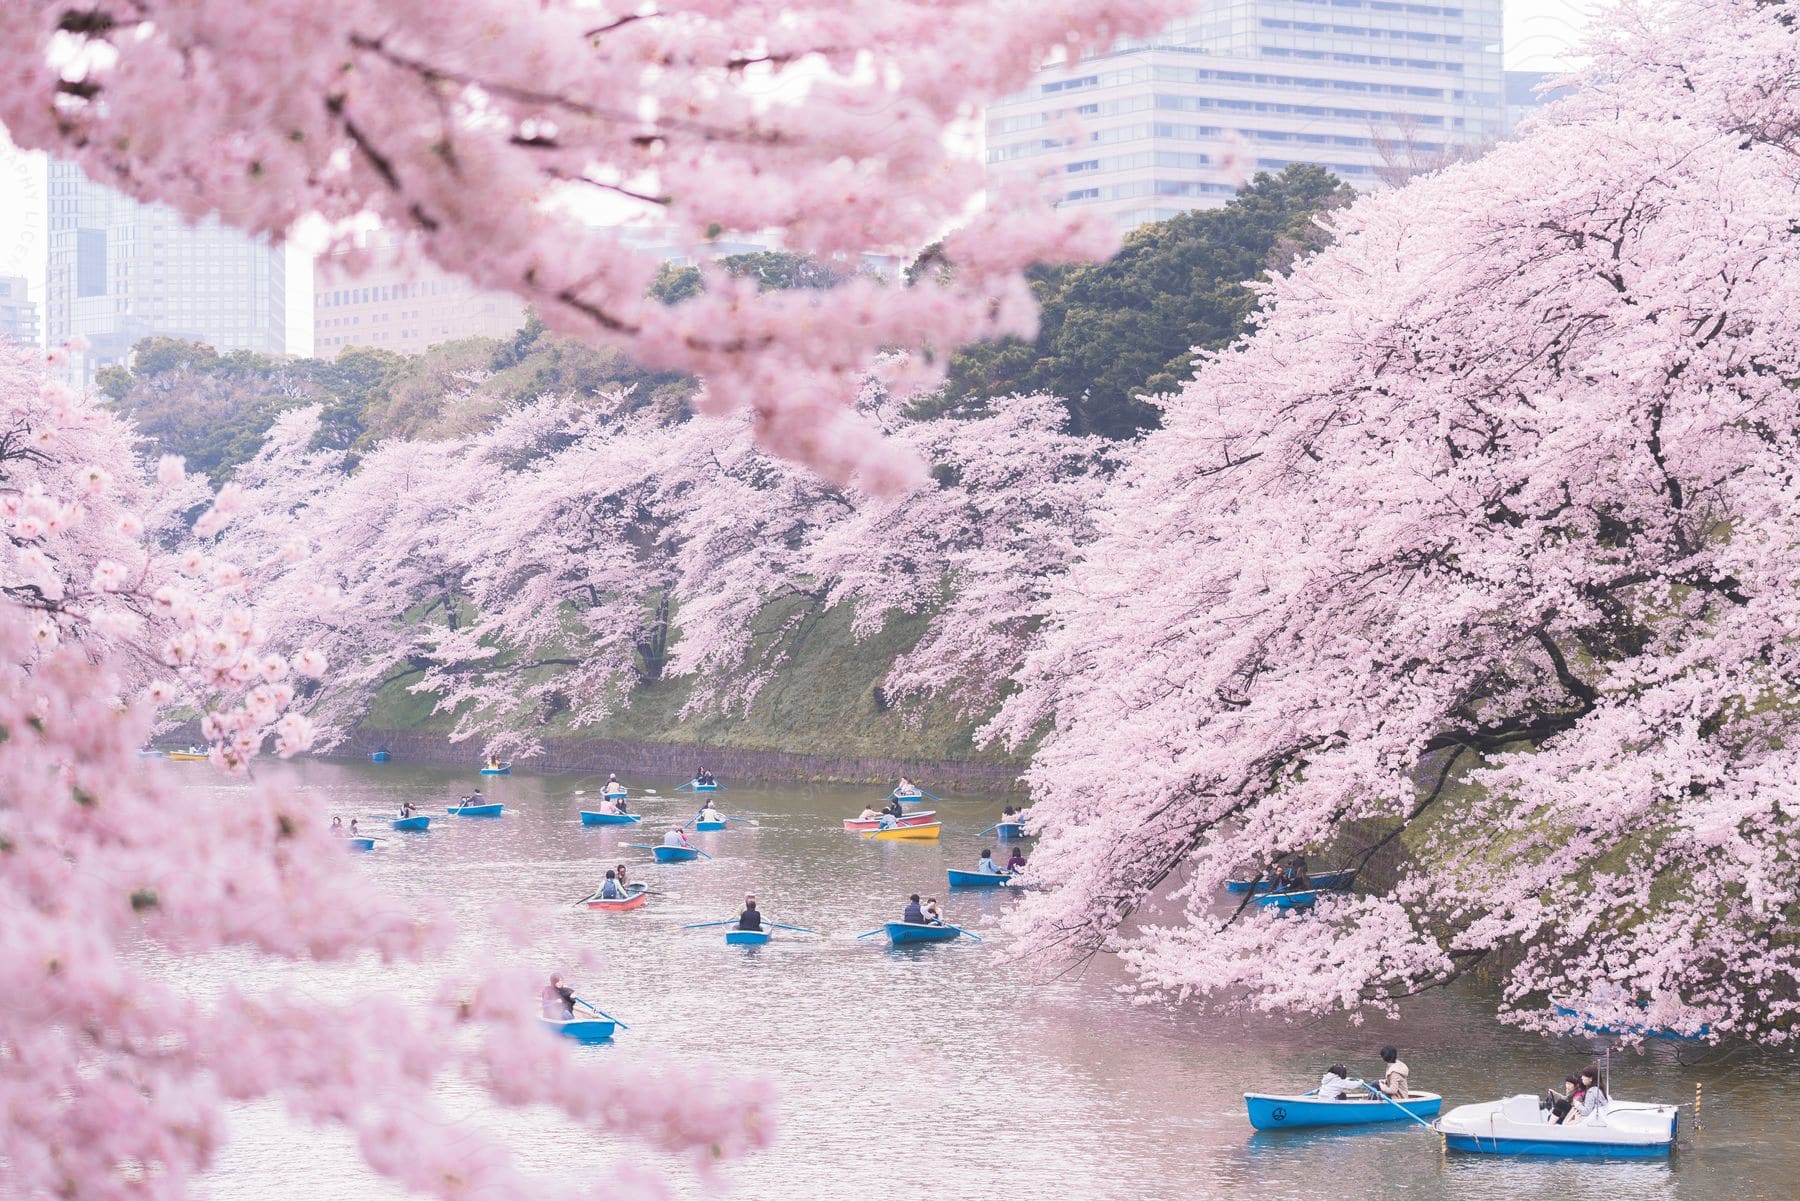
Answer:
[(1016, 863), (624, 880), (906, 788), (751, 917), (706, 778), (475, 798), (493, 763), (709, 814), (894, 809), (406, 809), (886, 821), (869, 814), (1011, 817), (353, 830), (1557, 1105), (1586, 1106), (1337, 1084), (676, 837), (986, 865), (914, 915), (1393, 1082), (558, 1002), (1293, 877), (610, 888), (932, 913), (337, 825)]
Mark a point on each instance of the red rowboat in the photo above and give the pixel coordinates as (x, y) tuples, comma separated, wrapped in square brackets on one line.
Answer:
[(912, 819)]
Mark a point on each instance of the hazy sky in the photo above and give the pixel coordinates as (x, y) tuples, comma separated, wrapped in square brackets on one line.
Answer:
[(1539, 36)]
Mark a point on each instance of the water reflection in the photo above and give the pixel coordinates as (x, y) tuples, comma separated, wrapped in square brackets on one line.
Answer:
[(925, 1071)]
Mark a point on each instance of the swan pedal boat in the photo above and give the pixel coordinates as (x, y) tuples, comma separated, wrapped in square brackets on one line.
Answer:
[(927, 830), (923, 818), (491, 809), (674, 854), (582, 1030), (902, 932), (1517, 1126), (1274, 1111), (962, 879), (417, 821), (590, 818), (708, 826), (1320, 882), (746, 938), (504, 769), (635, 896)]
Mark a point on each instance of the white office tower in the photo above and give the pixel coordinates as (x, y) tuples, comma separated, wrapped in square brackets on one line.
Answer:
[(18, 315), (1370, 89), (119, 271)]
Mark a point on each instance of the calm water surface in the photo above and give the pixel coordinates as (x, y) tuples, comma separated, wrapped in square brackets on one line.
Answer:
[(922, 1072)]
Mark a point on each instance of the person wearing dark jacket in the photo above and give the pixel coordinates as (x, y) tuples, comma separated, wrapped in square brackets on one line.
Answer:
[(914, 914), (751, 917)]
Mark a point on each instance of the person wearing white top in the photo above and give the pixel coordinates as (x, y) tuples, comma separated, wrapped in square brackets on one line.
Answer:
[(709, 814), (1337, 1084)]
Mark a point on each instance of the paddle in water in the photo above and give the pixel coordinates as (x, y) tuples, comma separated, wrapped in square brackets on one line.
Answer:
[(599, 1012), (1375, 1092)]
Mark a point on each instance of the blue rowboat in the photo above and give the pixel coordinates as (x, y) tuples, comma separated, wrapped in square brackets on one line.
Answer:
[(1011, 831), (1288, 900), (582, 1030), (899, 932), (1317, 881), (718, 825), (1516, 1126), (674, 854), (746, 938), (703, 787), (1593, 1025), (960, 879), (1273, 1111), (505, 769), (491, 809), (361, 842), (417, 821), (150, 754), (609, 819), (379, 756)]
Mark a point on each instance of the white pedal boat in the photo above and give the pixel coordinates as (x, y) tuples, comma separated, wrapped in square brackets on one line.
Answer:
[(1516, 1126)]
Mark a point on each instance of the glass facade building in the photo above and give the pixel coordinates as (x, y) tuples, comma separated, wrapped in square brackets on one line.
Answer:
[(18, 315), (118, 271), (1371, 89)]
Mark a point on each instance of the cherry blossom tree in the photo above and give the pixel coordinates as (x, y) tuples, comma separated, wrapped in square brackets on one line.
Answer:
[(480, 132), (118, 1070), (1475, 567)]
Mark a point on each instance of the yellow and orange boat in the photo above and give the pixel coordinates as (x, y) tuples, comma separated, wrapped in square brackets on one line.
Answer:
[(187, 757), (928, 830)]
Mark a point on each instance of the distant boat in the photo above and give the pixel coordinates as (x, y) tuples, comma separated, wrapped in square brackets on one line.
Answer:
[(928, 830), (361, 842), (1274, 1111), (1593, 1025), (718, 825), (674, 854), (379, 756), (1316, 882), (1287, 900), (582, 1030), (187, 756), (961, 879), (1011, 831), (590, 818), (902, 932), (1517, 1126), (490, 809), (149, 753), (635, 896), (746, 938), (497, 769), (417, 821), (699, 787), (923, 818)]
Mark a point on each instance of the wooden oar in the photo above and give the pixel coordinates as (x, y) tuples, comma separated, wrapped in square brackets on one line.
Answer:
[(1403, 1109), (797, 929), (602, 1013), (704, 925)]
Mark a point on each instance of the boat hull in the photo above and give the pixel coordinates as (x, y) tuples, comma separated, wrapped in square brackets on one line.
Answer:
[(905, 932), (361, 842), (379, 756), (960, 879), (1273, 1111), (497, 771), (1516, 1126), (708, 826), (418, 821), (1287, 900), (927, 831), (582, 1030), (1010, 831), (589, 818), (1321, 882), (185, 757), (634, 901), (489, 810), (924, 818), (703, 787), (674, 854), (746, 938)]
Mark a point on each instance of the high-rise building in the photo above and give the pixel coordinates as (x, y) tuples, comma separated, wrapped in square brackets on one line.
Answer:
[(1526, 93), (119, 271), (1371, 89), (402, 307), (18, 315)]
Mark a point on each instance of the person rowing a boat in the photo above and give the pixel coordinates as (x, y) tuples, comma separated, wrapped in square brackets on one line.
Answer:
[(986, 865), (676, 837), (709, 814), (932, 914), (1337, 1084), (337, 825), (624, 880), (558, 1002), (906, 788), (894, 809), (1293, 877), (1394, 1077), (610, 888), (353, 830), (493, 763), (914, 915), (751, 917), (406, 809), (475, 798), (869, 814)]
